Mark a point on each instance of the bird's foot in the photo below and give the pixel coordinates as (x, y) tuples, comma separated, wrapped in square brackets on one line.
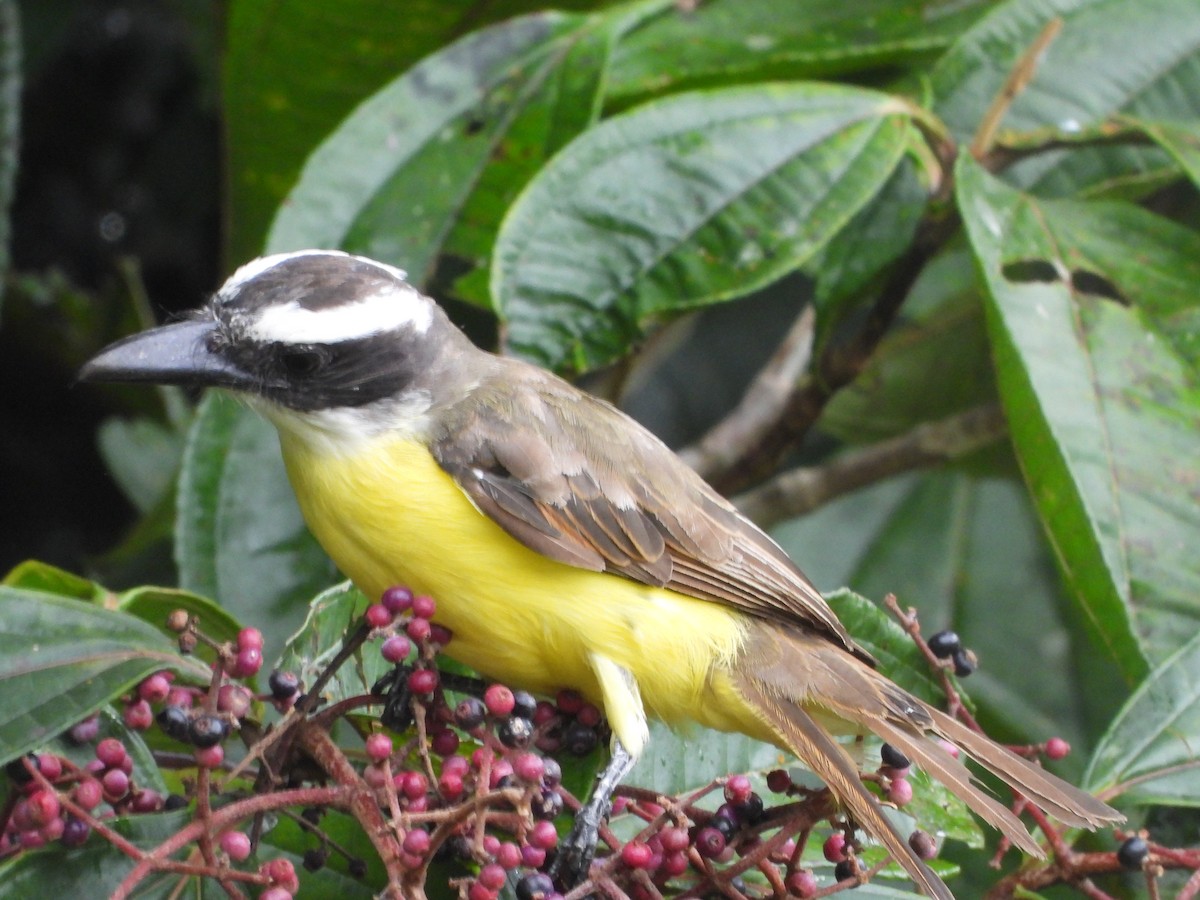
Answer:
[(575, 853)]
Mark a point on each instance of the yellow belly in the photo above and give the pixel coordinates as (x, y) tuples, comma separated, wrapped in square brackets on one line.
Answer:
[(388, 514)]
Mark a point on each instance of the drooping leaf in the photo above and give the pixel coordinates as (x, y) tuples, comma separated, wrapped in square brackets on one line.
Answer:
[(1092, 316), (421, 173), (35, 575), (684, 202), (240, 538), (61, 660), (1087, 75), (1149, 754)]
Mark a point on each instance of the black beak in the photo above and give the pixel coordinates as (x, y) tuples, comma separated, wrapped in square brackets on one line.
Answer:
[(179, 353)]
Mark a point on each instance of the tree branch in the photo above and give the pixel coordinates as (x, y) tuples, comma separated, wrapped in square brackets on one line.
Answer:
[(804, 489)]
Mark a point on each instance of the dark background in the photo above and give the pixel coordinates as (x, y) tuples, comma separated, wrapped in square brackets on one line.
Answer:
[(118, 193)]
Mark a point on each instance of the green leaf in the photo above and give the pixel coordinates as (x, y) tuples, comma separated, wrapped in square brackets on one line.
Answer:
[(331, 616), (240, 538), (10, 122), (61, 660), (154, 604), (421, 173), (1148, 754), (1088, 74), (143, 457), (1180, 139), (682, 760), (286, 84), (1092, 314), (733, 41), (684, 202), (35, 575)]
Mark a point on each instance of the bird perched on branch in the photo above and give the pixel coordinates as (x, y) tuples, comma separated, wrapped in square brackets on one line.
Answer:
[(567, 546)]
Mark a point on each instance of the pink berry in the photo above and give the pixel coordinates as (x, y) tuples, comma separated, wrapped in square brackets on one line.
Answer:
[(501, 769), (508, 856), (396, 648), (416, 842), (210, 757), (111, 752), (247, 662), (181, 697), (499, 700), (569, 702), (88, 793), (450, 785), (233, 699), (52, 830), (379, 747), (138, 715), (250, 639), (529, 767), (50, 766), (533, 857), (397, 599), (637, 855), (949, 747), (444, 743), (835, 847), (423, 681), (275, 893), (674, 864), (282, 873), (147, 801), (418, 629), (801, 884), (378, 616), (413, 786), (737, 789), (1057, 748), (478, 891), (423, 606), (674, 840), (155, 688), (375, 777), (492, 876), (589, 715), (115, 784), (236, 844), (543, 835), (459, 765), (43, 807), (900, 791)]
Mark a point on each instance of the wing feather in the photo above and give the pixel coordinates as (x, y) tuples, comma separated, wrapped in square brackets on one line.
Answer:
[(575, 479)]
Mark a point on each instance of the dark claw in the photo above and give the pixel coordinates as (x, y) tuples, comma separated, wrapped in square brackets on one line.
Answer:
[(575, 853)]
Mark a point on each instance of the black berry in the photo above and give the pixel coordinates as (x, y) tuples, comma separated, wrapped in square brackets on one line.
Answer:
[(944, 644), (964, 663), (524, 704), (314, 859), (283, 685), (750, 810), (547, 805), (357, 868), (17, 772), (893, 757), (470, 713), (515, 731), (843, 870), (534, 886), (174, 721), (1132, 854), (207, 730), (579, 740)]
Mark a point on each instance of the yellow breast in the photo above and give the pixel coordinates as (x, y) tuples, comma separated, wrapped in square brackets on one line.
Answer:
[(388, 514)]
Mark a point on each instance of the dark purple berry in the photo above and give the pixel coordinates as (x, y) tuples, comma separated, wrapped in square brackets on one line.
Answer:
[(890, 756), (357, 868), (1132, 854), (470, 713), (524, 704), (578, 739), (515, 732), (174, 802), (207, 730), (546, 805), (397, 599), (314, 859), (18, 773), (778, 780), (283, 685), (534, 886), (552, 776), (944, 644), (709, 842), (750, 811), (174, 721), (923, 844), (964, 663), (844, 870), (75, 833), (725, 820)]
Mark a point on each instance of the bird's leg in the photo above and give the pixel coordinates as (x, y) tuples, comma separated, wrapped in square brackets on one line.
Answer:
[(575, 852)]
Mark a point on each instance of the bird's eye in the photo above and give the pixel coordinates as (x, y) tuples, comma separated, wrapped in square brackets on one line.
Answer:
[(299, 362)]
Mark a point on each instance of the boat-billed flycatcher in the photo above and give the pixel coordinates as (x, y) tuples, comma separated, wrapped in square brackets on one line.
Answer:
[(566, 546)]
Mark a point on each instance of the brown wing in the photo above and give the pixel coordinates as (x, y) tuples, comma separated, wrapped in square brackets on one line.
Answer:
[(588, 486)]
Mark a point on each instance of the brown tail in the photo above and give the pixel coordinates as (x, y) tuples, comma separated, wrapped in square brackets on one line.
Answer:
[(785, 675)]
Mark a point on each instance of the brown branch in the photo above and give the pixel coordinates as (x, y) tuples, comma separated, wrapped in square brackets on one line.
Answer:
[(761, 404), (802, 490)]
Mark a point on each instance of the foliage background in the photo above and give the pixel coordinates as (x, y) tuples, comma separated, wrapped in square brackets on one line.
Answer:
[(158, 141)]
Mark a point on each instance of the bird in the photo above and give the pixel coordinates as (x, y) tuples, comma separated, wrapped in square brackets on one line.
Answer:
[(566, 545)]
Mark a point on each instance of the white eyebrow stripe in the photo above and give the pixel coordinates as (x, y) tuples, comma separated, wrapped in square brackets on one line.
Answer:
[(395, 307), (257, 266)]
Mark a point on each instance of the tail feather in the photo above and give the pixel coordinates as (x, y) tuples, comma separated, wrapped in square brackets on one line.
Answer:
[(833, 765)]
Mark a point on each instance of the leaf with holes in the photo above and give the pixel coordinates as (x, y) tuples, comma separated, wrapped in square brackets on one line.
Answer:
[(1092, 316)]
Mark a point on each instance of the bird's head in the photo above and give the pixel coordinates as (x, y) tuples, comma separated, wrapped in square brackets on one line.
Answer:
[(309, 338)]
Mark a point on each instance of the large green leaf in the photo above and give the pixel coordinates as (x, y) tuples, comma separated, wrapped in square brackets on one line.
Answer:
[(61, 660), (421, 173), (1092, 313), (1110, 57), (292, 73), (728, 41), (240, 538), (1149, 752), (684, 202)]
